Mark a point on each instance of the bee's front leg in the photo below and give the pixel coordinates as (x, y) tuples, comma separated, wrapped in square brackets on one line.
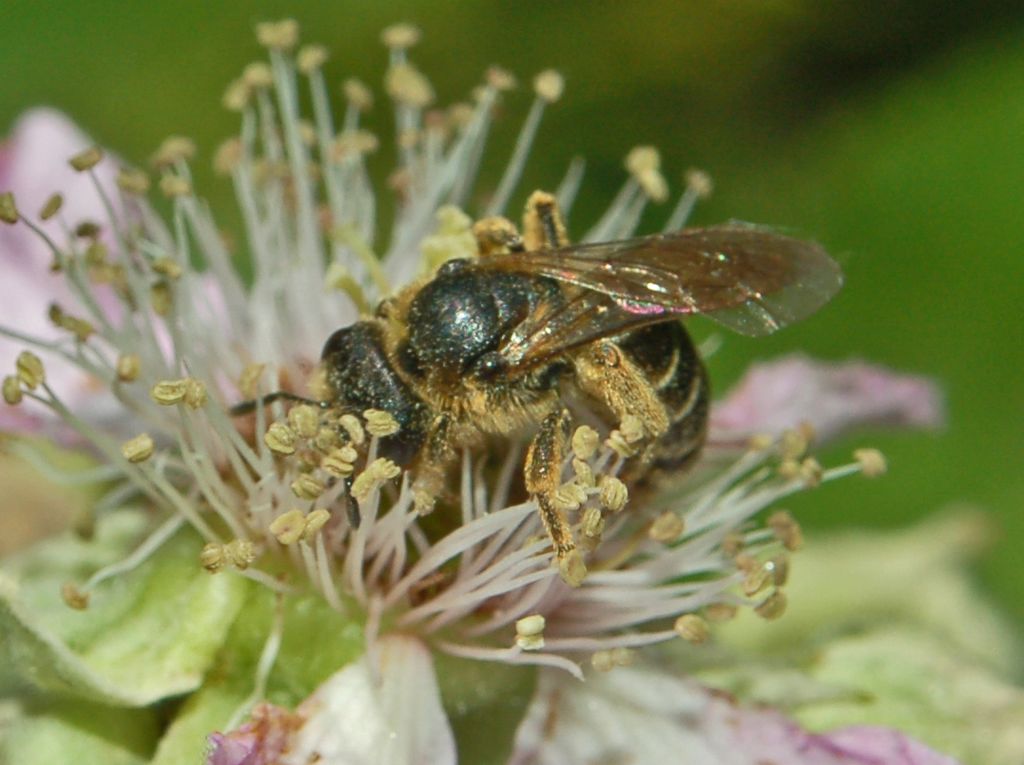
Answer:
[(543, 474)]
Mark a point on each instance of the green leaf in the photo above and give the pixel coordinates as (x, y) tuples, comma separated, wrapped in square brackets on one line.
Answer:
[(147, 634), (316, 642), (74, 731)]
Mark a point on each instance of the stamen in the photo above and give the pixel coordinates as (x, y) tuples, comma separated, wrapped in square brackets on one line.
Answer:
[(87, 159), (692, 629), (8, 210), (871, 461), (138, 449), (530, 632)]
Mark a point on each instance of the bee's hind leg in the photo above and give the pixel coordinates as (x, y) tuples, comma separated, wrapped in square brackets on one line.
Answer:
[(543, 474), (543, 227)]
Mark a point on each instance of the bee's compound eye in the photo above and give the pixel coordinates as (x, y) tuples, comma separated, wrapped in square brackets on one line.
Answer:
[(452, 266), (488, 366)]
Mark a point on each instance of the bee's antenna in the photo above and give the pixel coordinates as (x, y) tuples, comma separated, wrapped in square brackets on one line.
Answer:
[(248, 407)]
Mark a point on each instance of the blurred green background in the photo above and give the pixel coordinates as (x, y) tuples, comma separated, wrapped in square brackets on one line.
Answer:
[(890, 130)]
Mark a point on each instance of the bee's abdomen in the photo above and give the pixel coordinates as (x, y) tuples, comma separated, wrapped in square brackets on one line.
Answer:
[(665, 354), (361, 376)]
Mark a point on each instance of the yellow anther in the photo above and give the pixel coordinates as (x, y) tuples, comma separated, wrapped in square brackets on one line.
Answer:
[(614, 493), (733, 543), (132, 181), (280, 438), (228, 157), (500, 79), (307, 487), (720, 612), (632, 428), (167, 266), (692, 628), (212, 557), (287, 528), (337, 464), (12, 390), (380, 423), (357, 94), (759, 442), (376, 473), (584, 473), (169, 392), (642, 159), (74, 597), (195, 393), (30, 370), (654, 185), (793, 444), (530, 632), (400, 36), (174, 149), (811, 472), (572, 568), (569, 496), (353, 427), (311, 58), (127, 367), (236, 95), (249, 380), (304, 419), (755, 581), (240, 553), (51, 207), (86, 160), (617, 442), (699, 181), (407, 85), (549, 85), (314, 522), (460, 115), (8, 210), (789, 469), (280, 35), (786, 529), (326, 439), (354, 143), (584, 442), (592, 524), (772, 607), (138, 449), (174, 186), (666, 528), (872, 462)]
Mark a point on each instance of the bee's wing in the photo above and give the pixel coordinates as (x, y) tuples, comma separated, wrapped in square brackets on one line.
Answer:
[(752, 280)]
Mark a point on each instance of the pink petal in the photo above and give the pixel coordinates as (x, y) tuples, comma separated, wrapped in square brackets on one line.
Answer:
[(34, 165), (833, 398), (642, 716)]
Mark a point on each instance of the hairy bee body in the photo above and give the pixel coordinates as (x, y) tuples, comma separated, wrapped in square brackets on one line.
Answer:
[(511, 339)]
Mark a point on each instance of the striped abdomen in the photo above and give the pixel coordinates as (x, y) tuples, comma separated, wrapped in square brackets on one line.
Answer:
[(668, 359)]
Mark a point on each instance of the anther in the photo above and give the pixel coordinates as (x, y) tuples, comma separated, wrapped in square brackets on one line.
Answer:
[(569, 496), (132, 181), (12, 390), (8, 210), (174, 186), (340, 462), (811, 472), (138, 449), (357, 94), (632, 428), (86, 160), (786, 530), (52, 206), (407, 85), (872, 462), (500, 79), (584, 473), (280, 438), (315, 521), (614, 493), (400, 36), (720, 612), (584, 442), (240, 553), (380, 423), (236, 95), (30, 370), (228, 156), (304, 419), (692, 628), (618, 444), (371, 479), (310, 58), (592, 524), (174, 149), (666, 528), (280, 35), (792, 445), (572, 568), (74, 597), (307, 487), (287, 528), (353, 428), (530, 632), (778, 568), (772, 607), (549, 85), (699, 181)]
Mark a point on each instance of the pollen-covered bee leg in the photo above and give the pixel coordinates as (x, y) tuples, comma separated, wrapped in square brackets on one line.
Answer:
[(543, 227), (605, 372), (543, 474), (438, 453), (496, 236)]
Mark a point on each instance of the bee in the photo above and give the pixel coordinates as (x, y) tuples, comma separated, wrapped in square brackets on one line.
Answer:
[(502, 342)]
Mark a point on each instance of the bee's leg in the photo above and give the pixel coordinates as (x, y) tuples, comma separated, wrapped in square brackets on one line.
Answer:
[(248, 407), (543, 474), (438, 453), (543, 227), (605, 372)]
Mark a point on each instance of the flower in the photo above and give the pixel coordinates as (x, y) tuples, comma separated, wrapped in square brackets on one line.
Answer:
[(297, 506)]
